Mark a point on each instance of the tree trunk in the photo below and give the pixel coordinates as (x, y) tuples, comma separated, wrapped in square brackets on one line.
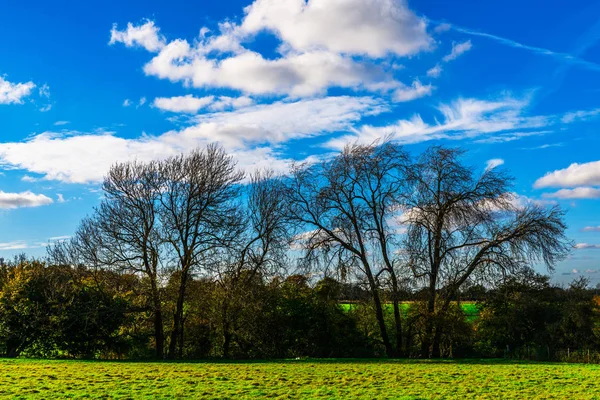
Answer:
[(381, 321), (12, 349), (397, 316), (430, 317), (379, 313), (178, 317), (436, 351), (226, 343), (159, 334)]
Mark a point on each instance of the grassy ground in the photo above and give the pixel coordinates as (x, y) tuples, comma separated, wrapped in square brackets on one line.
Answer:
[(470, 309), (298, 379)]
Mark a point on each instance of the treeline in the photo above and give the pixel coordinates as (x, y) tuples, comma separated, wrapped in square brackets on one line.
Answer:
[(189, 257), (54, 311)]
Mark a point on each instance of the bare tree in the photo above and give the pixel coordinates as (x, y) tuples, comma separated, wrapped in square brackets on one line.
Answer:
[(198, 214), (462, 225), (348, 205), (259, 251), (123, 234)]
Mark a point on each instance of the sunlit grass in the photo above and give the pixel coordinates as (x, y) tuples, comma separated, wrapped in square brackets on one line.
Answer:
[(470, 309), (298, 379)]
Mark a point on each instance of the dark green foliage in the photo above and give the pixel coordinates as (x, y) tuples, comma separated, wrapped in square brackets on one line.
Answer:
[(49, 311), (529, 318)]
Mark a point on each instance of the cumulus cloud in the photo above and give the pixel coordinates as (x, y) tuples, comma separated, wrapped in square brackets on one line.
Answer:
[(76, 157), (186, 104), (458, 49), (191, 104), (576, 193), (369, 27), (226, 102), (575, 175), (323, 45), (14, 93), (493, 163), (146, 35), (23, 199)]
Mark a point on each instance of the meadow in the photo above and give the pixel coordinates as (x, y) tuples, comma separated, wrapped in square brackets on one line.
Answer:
[(471, 309), (368, 379)]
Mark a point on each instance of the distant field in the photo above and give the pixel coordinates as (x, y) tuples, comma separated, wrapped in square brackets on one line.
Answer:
[(470, 309), (298, 379)]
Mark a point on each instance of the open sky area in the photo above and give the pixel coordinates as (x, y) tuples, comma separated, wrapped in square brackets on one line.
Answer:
[(86, 84)]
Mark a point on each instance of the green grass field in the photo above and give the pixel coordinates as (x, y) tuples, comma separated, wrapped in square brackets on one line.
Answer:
[(470, 309), (298, 379)]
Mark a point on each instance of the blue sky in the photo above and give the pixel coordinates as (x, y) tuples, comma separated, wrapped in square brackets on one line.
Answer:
[(87, 84)]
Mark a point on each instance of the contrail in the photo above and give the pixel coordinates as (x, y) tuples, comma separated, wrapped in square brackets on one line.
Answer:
[(538, 50)]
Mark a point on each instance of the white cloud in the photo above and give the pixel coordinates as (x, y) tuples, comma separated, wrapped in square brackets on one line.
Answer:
[(415, 91), (511, 136), (186, 104), (226, 102), (142, 101), (146, 36), (580, 115), (60, 198), (28, 178), (369, 27), (435, 72), (81, 158), (60, 123), (23, 199), (463, 118), (126, 103), (44, 91), (14, 93), (59, 238), (457, 50), (295, 74), (587, 246), (575, 175), (443, 27), (319, 42), (591, 229), (282, 121), (564, 57), (46, 108), (14, 245), (493, 163), (576, 193)]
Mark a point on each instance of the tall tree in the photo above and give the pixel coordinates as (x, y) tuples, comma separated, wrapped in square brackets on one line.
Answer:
[(124, 233), (258, 250), (463, 225), (199, 214), (348, 205)]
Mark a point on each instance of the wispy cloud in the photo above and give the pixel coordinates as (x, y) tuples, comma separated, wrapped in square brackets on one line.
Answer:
[(565, 57), (493, 163), (587, 246), (591, 229)]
